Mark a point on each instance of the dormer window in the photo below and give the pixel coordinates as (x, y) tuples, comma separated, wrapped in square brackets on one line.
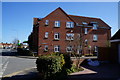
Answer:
[(46, 22), (69, 24), (84, 23), (95, 26), (57, 23)]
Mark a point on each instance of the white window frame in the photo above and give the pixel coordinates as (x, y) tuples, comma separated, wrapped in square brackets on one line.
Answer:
[(95, 26), (56, 48), (46, 22), (70, 34), (69, 47), (86, 42), (84, 23), (57, 23), (46, 48), (95, 37), (95, 49), (86, 30), (70, 24), (46, 34), (58, 36)]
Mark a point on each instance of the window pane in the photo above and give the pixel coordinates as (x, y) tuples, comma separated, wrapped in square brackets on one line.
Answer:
[(46, 47), (95, 37), (95, 26), (46, 22), (56, 36), (56, 48), (57, 23), (69, 24), (46, 34), (69, 36), (85, 30)]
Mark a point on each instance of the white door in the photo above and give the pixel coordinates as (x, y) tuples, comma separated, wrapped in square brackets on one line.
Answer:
[(119, 53)]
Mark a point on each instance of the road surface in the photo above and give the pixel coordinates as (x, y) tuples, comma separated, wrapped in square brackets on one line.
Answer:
[(11, 64)]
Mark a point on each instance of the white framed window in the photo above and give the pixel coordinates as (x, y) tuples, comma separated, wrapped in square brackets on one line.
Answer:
[(86, 30), (84, 23), (56, 36), (46, 22), (69, 49), (46, 34), (95, 49), (56, 48), (57, 23), (95, 37), (70, 24), (69, 36), (86, 42), (46, 48), (95, 26)]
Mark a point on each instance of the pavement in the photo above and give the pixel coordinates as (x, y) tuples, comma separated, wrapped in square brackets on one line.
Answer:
[(105, 71), (102, 72)]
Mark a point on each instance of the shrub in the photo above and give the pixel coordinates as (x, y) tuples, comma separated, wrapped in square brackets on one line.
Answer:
[(50, 66), (24, 52), (73, 69), (55, 66)]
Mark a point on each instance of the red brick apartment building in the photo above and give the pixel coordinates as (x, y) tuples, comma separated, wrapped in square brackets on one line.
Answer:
[(60, 32)]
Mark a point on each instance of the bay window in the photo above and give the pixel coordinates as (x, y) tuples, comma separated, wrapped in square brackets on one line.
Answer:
[(69, 36)]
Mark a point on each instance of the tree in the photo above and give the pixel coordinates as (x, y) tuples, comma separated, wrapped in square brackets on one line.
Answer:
[(15, 43)]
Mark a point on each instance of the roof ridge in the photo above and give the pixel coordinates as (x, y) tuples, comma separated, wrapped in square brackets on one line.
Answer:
[(83, 16)]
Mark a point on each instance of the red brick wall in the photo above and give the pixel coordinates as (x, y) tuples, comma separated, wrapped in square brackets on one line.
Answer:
[(58, 14)]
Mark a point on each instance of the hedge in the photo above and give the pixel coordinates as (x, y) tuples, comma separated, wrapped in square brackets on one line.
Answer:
[(24, 52)]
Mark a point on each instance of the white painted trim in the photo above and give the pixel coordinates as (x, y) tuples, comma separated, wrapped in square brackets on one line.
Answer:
[(116, 40)]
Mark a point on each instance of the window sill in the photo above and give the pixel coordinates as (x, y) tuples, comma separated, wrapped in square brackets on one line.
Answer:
[(46, 24), (69, 40), (56, 51), (69, 51), (56, 39), (45, 38), (95, 40), (45, 50), (56, 27), (94, 29), (69, 28)]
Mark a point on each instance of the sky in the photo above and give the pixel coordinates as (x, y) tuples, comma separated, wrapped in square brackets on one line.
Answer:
[(17, 17)]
